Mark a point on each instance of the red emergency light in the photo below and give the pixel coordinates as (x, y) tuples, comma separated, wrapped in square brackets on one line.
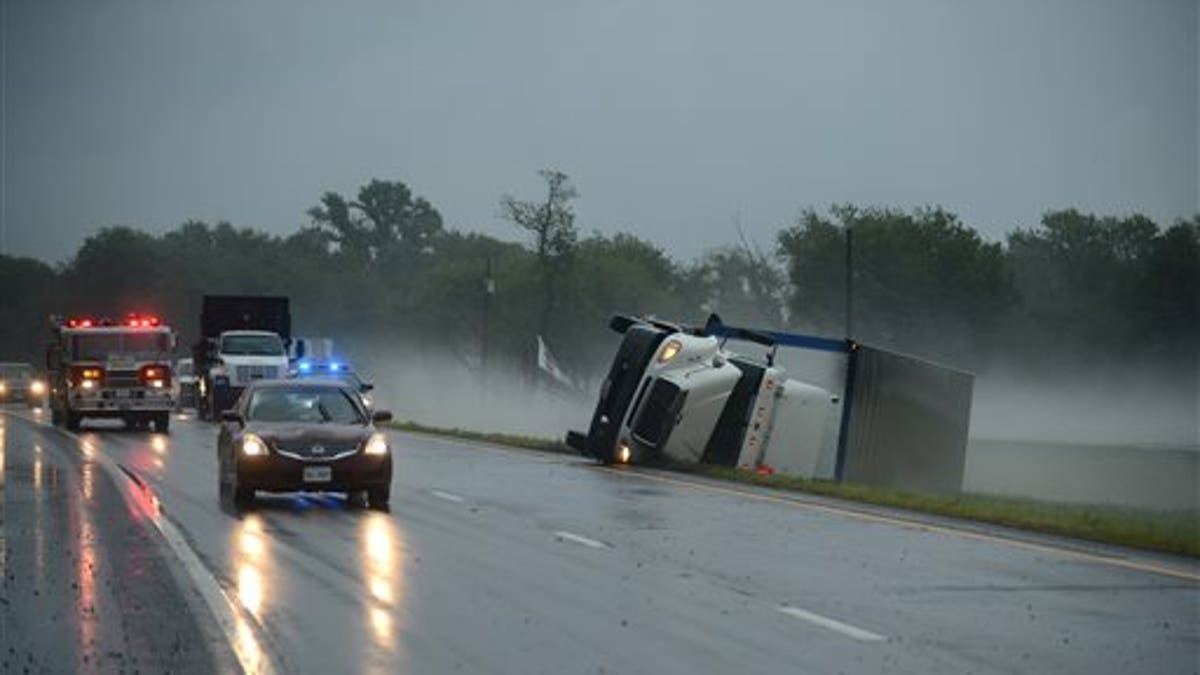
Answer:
[(136, 321), (76, 322)]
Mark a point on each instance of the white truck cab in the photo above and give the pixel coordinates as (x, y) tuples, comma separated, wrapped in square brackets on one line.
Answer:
[(241, 357)]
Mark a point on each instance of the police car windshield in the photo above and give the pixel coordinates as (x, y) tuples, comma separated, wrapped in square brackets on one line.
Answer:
[(99, 346), (255, 345), (301, 404)]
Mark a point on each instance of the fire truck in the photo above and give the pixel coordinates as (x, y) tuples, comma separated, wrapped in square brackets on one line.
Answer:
[(100, 368)]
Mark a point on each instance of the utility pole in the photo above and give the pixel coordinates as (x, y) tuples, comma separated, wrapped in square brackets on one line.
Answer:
[(849, 282), (489, 289)]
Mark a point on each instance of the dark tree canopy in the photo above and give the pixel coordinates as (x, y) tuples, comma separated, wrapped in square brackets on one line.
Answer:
[(1074, 286)]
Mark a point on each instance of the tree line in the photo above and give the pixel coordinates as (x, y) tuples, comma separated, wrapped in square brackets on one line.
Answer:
[(382, 262)]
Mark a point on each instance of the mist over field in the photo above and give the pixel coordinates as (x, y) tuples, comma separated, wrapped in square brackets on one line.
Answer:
[(1113, 404), (432, 385)]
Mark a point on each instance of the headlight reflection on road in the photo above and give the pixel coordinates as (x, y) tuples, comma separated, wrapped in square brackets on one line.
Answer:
[(382, 570), (250, 559), (88, 482), (159, 444)]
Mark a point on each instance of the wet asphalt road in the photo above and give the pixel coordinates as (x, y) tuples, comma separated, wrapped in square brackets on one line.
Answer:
[(495, 561)]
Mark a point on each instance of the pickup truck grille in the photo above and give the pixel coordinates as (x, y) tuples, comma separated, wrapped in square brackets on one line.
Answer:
[(248, 373)]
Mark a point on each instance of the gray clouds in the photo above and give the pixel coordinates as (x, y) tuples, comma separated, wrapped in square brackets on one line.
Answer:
[(673, 117)]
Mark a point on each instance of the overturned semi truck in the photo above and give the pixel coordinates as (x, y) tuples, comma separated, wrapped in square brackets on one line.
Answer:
[(681, 393)]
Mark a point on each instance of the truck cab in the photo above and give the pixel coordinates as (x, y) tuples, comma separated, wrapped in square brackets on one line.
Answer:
[(99, 368), (241, 357), (243, 338)]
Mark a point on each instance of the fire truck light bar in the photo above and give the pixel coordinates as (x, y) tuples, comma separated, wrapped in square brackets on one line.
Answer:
[(133, 321)]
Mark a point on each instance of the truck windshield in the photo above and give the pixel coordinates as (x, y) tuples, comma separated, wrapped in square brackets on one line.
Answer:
[(258, 345), (99, 346)]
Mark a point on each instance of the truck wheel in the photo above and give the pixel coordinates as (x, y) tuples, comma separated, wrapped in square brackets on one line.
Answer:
[(162, 423), (72, 421)]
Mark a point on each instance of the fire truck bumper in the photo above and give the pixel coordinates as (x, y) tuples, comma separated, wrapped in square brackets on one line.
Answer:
[(115, 403)]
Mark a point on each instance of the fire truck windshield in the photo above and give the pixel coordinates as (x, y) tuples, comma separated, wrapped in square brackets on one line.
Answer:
[(99, 346)]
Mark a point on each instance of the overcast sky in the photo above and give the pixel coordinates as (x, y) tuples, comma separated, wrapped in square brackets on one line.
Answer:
[(675, 118)]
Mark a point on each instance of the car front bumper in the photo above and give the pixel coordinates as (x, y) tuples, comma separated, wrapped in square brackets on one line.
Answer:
[(276, 473)]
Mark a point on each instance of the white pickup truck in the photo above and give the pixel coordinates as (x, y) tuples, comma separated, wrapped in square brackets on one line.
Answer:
[(239, 358)]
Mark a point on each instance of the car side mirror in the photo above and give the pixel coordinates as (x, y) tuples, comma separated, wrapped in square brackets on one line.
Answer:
[(366, 386), (380, 416), (231, 416)]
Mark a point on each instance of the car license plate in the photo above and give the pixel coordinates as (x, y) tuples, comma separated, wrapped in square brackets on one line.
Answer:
[(318, 474)]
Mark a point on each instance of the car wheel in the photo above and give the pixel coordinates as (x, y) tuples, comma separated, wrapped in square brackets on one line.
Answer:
[(378, 498), (242, 496)]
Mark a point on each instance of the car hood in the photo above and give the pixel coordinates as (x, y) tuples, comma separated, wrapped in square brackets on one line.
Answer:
[(290, 434)]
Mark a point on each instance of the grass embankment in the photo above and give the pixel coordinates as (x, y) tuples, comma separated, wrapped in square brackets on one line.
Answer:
[(510, 440), (1176, 532)]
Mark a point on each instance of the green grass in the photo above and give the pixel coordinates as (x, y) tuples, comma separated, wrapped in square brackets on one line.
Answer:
[(1176, 532)]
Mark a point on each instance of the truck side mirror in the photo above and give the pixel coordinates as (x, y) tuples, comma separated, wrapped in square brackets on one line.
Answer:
[(53, 358), (381, 416)]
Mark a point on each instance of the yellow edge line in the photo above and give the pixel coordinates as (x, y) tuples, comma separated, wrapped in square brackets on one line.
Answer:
[(930, 527)]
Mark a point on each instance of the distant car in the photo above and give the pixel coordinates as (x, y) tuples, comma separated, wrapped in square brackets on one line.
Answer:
[(303, 436), (185, 390), (20, 382)]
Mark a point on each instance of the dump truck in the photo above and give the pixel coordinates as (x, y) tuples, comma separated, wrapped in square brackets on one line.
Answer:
[(243, 338)]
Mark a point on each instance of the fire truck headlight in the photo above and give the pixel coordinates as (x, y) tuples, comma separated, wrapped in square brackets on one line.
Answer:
[(253, 446), (3, 387), (669, 351), (88, 384), (157, 384), (37, 388)]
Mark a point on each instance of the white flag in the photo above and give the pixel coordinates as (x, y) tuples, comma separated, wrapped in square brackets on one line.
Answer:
[(549, 366)]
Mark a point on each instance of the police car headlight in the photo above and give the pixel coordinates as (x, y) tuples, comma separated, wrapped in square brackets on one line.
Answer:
[(377, 445), (253, 446)]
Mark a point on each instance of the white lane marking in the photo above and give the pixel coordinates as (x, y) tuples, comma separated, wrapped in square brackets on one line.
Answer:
[(914, 523), (447, 496), (578, 539), (251, 655), (832, 624)]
